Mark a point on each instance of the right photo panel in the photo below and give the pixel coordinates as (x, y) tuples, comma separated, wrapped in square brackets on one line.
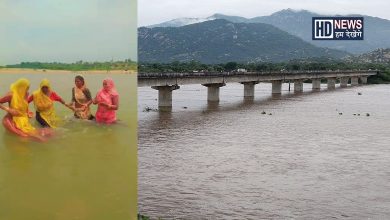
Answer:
[(263, 109)]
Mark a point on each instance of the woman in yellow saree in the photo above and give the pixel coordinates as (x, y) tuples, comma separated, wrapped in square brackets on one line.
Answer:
[(44, 99), (17, 120)]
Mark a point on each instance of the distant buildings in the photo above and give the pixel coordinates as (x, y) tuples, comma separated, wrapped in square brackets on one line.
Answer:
[(241, 70)]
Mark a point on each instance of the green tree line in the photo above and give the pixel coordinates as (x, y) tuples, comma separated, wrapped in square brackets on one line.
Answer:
[(79, 65)]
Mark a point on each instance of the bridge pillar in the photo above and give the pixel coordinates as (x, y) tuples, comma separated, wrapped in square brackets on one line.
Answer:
[(165, 96), (298, 85), (316, 84), (331, 83), (213, 91), (277, 87), (354, 81), (363, 79), (249, 88), (344, 82)]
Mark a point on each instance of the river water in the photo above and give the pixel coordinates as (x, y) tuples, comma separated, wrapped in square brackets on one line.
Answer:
[(311, 159), (87, 171)]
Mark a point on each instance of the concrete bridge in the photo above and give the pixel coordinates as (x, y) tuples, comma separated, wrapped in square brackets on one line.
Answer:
[(165, 83)]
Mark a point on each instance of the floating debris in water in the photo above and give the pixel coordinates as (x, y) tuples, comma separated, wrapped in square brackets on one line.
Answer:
[(148, 109), (263, 112), (270, 114), (340, 113), (354, 114), (367, 114), (359, 93), (185, 107), (358, 114)]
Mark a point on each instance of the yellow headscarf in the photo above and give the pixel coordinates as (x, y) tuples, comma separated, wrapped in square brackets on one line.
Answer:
[(44, 105), (19, 103)]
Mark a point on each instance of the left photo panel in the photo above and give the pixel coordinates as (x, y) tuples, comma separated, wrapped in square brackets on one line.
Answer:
[(68, 109)]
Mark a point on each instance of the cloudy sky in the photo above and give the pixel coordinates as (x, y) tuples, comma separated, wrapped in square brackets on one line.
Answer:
[(67, 30), (157, 11)]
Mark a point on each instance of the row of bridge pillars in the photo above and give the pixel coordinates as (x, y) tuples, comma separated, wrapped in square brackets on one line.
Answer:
[(165, 92)]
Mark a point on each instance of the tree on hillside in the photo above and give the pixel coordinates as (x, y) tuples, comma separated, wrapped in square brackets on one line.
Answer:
[(230, 66)]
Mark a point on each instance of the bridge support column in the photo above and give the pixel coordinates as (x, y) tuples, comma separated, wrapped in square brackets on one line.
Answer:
[(331, 83), (213, 91), (344, 82), (298, 86), (316, 84), (354, 81), (249, 88), (277, 87), (363, 79), (165, 96)]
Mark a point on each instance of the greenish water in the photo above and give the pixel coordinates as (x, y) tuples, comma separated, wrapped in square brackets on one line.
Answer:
[(87, 171)]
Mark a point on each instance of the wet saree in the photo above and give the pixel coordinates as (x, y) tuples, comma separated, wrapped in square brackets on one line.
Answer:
[(106, 98), (81, 97), (19, 103), (44, 106)]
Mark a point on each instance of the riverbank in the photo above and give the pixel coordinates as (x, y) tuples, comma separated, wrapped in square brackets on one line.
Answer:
[(32, 71), (381, 78)]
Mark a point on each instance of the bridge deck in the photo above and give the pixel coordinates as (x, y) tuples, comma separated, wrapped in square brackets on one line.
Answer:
[(162, 79)]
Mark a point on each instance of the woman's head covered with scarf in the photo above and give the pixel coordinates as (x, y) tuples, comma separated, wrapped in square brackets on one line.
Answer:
[(19, 91)]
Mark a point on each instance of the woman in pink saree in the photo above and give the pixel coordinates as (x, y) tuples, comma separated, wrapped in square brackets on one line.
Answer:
[(107, 100)]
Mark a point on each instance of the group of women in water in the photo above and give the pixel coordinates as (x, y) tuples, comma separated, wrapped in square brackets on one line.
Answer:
[(17, 119)]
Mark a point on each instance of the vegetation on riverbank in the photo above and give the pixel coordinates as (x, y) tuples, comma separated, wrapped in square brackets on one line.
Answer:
[(142, 217), (382, 77), (78, 66)]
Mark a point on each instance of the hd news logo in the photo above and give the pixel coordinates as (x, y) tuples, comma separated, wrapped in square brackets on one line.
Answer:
[(337, 28)]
